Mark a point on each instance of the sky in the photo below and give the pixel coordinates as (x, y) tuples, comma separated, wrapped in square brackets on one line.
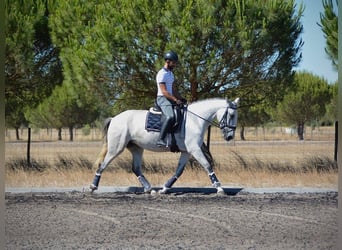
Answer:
[(314, 58)]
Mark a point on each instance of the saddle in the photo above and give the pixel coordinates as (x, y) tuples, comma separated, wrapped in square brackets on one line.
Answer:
[(154, 118), (154, 121)]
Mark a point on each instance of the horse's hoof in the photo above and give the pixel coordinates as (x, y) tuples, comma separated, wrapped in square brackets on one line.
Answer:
[(92, 188), (220, 191), (164, 190), (153, 192), (147, 190)]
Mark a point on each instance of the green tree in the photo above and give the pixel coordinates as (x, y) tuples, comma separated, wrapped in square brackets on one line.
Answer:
[(252, 116), (19, 32), (227, 48), (68, 106), (46, 115), (331, 108), (245, 48), (32, 67), (329, 26), (83, 31), (305, 102)]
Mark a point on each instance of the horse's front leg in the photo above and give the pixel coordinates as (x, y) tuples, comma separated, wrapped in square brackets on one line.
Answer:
[(204, 157), (179, 171)]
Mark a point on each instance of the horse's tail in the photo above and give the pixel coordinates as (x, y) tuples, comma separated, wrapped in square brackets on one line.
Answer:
[(104, 149), (105, 128)]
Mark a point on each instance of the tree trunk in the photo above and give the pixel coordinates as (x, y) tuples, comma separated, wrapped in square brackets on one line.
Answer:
[(59, 134), (242, 133), (300, 131), (194, 94), (17, 134), (193, 84), (71, 133)]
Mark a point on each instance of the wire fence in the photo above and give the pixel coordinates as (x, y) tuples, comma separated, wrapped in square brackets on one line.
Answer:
[(272, 144), (250, 134)]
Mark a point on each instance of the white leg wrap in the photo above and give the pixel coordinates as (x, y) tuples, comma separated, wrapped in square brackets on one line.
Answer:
[(145, 183), (220, 190), (164, 190)]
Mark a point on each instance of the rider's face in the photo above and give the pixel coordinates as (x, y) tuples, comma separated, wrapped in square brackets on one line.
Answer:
[(172, 64)]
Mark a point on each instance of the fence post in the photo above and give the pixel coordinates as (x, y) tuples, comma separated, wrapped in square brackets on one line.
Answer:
[(29, 148), (336, 140)]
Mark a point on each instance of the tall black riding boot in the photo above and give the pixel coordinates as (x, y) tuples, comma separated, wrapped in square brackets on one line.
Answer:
[(164, 129)]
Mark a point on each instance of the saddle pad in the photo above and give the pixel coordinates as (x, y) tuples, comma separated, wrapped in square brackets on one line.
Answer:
[(153, 122)]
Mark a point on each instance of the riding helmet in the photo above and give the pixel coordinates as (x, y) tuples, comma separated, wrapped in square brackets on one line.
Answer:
[(171, 55)]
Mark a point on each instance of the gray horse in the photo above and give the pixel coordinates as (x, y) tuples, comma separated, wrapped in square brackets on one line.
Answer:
[(127, 130)]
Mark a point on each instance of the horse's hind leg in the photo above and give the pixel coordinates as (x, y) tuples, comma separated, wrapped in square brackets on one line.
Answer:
[(110, 155), (95, 184), (179, 171), (137, 153)]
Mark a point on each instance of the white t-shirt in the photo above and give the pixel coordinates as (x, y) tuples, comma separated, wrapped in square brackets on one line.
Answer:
[(167, 77)]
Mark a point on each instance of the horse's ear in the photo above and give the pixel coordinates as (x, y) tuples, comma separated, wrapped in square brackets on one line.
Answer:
[(236, 101)]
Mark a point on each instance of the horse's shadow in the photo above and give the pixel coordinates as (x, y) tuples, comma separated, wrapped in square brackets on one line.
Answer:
[(183, 190)]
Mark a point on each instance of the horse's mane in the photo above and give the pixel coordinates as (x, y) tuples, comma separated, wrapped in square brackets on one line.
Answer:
[(201, 105), (200, 102)]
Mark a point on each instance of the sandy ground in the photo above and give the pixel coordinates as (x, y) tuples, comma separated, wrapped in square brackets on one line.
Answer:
[(80, 220)]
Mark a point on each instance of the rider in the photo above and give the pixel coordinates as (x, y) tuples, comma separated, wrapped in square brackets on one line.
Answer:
[(167, 95)]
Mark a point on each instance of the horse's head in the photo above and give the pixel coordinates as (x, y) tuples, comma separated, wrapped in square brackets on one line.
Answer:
[(228, 119)]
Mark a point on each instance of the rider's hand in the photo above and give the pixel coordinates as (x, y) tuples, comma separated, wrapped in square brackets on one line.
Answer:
[(179, 102), (183, 100)]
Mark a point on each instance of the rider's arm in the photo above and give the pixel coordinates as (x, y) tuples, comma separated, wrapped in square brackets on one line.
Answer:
[(166, 93), (177, 95)]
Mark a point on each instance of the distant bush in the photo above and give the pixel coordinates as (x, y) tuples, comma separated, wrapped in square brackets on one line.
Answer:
[(62, 163), (86, 130), (311, 164), (65, 163), (319, 164), (22, 164)]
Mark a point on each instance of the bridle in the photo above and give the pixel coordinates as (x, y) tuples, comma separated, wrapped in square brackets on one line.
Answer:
[(223, 123)]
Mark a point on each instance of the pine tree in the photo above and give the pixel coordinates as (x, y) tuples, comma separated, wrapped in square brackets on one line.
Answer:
[(329, 26), (32, 66), (305, 102)]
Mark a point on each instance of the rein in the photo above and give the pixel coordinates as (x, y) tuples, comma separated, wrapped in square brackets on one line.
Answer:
[(216, 124), (223, 122)]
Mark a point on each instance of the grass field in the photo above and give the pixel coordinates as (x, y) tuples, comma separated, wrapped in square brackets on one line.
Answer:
[(269, 157)]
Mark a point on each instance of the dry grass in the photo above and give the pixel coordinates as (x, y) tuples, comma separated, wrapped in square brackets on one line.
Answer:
[(191, 178), (262, 149)]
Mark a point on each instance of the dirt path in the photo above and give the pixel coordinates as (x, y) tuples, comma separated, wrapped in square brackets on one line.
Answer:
[(76, 220)]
